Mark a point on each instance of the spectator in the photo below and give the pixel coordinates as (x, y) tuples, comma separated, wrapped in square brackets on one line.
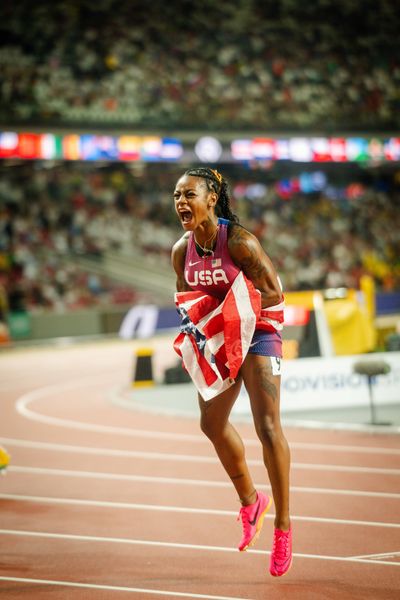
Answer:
[(281, 65), (49, 217)]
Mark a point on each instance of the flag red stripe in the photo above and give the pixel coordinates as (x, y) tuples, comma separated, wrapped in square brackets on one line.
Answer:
[(234, 327), (208, 373)]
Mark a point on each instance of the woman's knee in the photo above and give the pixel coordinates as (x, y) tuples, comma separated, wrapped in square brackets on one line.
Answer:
[(215, 413), (268, 430), (210, 427)]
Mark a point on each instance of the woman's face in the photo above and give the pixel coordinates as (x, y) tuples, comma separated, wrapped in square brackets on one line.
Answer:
[(194, 204)]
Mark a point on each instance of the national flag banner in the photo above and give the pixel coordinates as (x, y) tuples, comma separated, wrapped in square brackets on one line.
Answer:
[(216, 335), (272, 318), (216, 262)]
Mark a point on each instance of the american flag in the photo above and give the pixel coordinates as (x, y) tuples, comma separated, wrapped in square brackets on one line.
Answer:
[(215, 336)]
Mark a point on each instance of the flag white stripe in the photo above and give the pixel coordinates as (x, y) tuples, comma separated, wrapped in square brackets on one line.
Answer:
[(241, 310)]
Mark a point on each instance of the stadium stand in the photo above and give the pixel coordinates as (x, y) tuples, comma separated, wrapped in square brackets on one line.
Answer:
[(54, 217), (68, 230), (276, 65)]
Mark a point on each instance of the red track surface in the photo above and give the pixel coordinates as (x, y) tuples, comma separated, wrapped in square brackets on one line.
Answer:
[(101, 502)]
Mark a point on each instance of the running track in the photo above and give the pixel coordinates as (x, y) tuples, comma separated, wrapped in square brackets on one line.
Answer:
[(103, 503)]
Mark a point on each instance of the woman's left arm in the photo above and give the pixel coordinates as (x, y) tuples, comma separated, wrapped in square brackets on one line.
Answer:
[(249, 256)]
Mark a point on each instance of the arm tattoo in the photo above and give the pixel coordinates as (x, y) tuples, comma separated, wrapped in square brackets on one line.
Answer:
[(249, 261), (252, 267), (250, 257)]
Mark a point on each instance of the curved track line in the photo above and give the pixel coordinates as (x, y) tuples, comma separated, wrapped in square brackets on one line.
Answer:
[(26, 399), (23, 402)]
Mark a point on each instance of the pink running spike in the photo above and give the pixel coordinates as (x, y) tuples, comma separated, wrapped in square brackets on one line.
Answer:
[(281, 555), (252, 520)]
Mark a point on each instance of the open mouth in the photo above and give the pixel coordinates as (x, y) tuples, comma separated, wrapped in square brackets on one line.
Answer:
[(185, 216)]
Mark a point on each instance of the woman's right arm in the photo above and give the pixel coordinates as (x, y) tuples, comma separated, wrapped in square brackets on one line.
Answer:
[(178, 256)]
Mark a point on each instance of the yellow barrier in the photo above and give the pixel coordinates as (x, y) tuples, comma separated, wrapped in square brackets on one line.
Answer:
[(143, 369)]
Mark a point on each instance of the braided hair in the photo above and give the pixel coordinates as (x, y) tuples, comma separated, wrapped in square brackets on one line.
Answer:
[(216, 183)]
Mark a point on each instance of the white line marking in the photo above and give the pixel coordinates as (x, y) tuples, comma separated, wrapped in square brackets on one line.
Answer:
[(255, 462), (389, 429), (136, 542), (220, 484), (182, 509), (343, 468), (22, 408), (343, 448), (185, 481), (116, 588), (117, 452), (26, 399), (378, 556)]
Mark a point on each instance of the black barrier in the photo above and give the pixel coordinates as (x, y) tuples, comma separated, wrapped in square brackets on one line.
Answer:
[(372, 368), (143, 368)]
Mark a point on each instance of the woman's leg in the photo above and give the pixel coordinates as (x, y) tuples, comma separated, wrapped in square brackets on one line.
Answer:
[(226, 440), (264, 391)]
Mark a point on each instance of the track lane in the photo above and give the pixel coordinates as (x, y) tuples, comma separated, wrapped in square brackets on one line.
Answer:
[(79, 389)]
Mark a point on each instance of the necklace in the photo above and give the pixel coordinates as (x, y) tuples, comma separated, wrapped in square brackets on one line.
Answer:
[(207, 251)]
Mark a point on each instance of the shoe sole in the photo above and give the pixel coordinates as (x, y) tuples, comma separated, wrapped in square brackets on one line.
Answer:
[(285, 573), (259, 525)]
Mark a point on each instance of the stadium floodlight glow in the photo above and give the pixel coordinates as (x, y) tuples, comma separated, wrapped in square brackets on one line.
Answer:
[(208, 149)]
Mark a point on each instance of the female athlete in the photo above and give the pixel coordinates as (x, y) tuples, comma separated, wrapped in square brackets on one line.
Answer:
[(215, 242)]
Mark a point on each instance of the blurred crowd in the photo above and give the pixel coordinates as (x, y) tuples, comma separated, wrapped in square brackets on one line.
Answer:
[(331, 64), (52, 214)]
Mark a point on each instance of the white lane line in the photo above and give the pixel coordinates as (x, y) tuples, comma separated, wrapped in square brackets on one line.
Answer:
[(183, 509), (23, 402), (254, 462), (184, 481), (343, 448), (379, 556), (195, 458), (136, 542), (340, 426), (22, 408), (342, 468), (117, 452), (194, 482), (116, 588)]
